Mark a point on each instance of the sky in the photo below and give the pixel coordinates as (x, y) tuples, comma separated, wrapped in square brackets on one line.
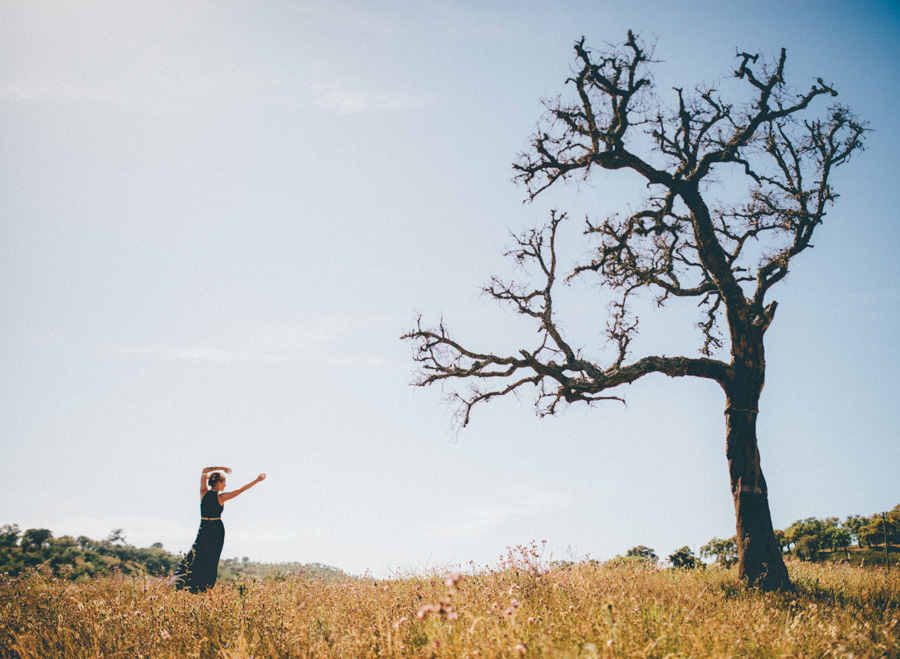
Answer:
[(218, 218)]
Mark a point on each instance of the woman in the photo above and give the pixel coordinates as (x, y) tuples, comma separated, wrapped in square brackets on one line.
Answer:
[(197, 571)]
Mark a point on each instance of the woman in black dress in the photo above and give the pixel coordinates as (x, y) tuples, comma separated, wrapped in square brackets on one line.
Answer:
[(197, 570)]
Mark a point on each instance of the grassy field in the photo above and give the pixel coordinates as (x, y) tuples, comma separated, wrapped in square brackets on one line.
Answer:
[(519, 608)]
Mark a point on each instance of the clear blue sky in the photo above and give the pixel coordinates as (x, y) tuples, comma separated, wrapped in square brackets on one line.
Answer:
[(217, 218)]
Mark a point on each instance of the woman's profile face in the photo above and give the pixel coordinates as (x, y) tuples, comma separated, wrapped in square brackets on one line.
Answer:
[(219, 486)]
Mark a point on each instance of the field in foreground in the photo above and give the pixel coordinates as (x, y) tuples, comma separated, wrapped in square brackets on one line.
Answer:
[(520, 608)]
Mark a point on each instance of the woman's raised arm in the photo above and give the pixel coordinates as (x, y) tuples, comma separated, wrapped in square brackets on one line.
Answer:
[(225, 496)]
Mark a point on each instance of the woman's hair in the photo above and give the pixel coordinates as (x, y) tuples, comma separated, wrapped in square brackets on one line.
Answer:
[(214, 478)]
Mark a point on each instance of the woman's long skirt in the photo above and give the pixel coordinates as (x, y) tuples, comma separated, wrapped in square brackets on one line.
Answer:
[(197, 570)]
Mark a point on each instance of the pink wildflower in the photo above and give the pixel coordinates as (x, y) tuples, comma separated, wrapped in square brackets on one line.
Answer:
[(453, 579)]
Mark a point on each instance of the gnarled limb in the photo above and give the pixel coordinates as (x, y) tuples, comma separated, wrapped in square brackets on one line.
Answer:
[(558, 371)]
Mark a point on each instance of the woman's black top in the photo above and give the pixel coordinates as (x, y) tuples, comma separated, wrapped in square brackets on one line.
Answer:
[(210, 506)]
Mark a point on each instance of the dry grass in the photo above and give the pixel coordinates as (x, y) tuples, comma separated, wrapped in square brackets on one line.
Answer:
[(520, 608)]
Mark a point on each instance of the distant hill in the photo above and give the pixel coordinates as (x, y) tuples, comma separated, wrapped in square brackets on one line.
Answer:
[(232, 568), (72, 558)]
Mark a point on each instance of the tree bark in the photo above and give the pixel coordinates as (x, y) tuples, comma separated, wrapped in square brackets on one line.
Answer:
[(760, 561)]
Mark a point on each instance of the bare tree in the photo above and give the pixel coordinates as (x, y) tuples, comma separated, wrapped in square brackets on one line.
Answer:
[(692, 237)]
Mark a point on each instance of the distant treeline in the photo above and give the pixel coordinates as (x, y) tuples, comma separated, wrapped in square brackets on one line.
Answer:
[(72, 558), (809, 539), (232, 568)]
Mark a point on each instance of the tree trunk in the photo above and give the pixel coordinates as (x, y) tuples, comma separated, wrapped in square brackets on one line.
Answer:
[(760, 561)]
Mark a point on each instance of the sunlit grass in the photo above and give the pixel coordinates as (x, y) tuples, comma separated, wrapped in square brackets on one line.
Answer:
[(518, 608)]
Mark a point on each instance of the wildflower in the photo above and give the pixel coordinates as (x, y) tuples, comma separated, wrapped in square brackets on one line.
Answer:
[(453, 579), (519, 650)]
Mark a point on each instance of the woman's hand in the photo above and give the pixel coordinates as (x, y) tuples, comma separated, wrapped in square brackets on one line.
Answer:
[(261, 477)]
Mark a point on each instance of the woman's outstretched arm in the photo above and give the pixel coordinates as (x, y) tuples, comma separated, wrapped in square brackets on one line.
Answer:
[(225, 496), (203, 487)]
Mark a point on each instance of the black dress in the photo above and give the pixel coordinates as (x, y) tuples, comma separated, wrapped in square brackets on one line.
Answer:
[(197, 570)]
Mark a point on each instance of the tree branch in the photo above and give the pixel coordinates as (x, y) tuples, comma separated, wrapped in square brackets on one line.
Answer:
[(557, 370)]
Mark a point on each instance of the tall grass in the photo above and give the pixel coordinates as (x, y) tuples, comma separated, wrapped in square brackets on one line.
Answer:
[(519, 608)]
